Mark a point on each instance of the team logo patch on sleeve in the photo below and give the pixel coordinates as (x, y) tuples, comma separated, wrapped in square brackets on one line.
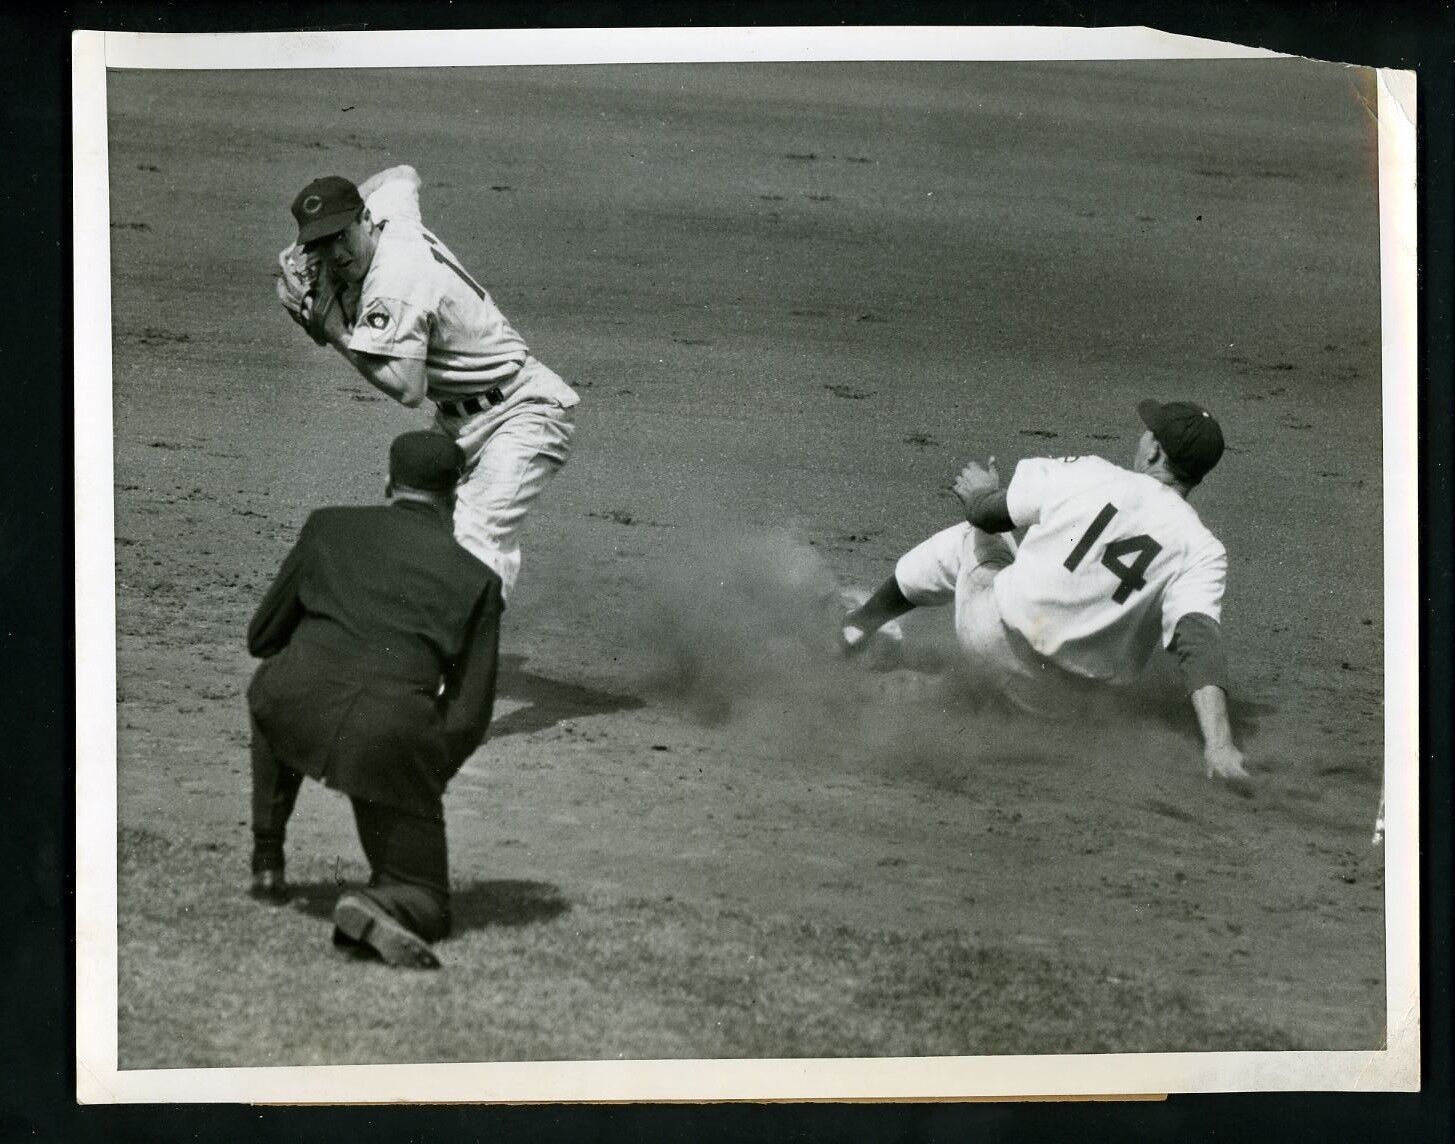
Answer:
[(377, 318)]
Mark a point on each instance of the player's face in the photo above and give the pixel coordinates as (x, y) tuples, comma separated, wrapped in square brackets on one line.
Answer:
[(350, 251), (1145, 448)]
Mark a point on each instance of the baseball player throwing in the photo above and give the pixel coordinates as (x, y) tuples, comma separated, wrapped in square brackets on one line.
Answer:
[(367, 278), (1112, 563)]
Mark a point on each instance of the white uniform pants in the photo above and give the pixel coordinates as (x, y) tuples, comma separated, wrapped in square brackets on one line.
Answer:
[(513, 459), (959, 565)]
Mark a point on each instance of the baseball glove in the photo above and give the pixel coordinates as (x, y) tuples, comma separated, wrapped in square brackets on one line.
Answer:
[(305, 291)]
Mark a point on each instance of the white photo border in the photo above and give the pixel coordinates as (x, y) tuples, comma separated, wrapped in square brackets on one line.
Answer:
[(98, 1078)]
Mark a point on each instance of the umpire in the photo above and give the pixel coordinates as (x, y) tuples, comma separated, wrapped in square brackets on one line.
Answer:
[(379, 644)]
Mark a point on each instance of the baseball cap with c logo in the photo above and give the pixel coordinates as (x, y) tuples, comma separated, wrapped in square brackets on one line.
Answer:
[(324, 207)]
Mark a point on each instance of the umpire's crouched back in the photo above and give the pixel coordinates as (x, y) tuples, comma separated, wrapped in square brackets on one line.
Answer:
[(379, 639)]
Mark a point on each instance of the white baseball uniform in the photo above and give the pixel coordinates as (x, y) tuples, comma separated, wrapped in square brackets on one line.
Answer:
[(509, 413), (1110, 562)]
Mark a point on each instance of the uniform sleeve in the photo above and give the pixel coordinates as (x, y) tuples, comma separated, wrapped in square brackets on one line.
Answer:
[(1029, 489), (395, 307), (1197, 589), (397, 197), (278, 614), (1197, 645), (391, 328), (988, 513), (470, 682)]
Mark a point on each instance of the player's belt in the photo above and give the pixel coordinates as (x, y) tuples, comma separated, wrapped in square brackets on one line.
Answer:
[(485, 399), (469, 406)]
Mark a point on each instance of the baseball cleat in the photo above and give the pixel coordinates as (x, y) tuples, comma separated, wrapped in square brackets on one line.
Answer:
[(853, 639), (368, 923)]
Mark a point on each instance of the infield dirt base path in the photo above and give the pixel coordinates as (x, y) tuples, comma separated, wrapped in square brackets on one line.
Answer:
[(794, 300)]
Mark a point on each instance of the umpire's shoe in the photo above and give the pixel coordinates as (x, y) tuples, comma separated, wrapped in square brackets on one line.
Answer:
[(270, 886), (369, 923)]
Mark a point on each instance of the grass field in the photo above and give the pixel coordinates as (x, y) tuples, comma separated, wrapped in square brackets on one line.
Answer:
[(794, 300), (535, 976)]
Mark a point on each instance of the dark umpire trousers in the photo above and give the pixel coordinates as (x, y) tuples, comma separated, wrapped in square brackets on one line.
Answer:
[(408, 858)]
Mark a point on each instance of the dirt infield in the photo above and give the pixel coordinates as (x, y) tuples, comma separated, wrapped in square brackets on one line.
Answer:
[(794, 300)]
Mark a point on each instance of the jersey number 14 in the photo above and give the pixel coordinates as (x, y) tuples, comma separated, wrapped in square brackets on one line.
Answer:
[(1126, 559)]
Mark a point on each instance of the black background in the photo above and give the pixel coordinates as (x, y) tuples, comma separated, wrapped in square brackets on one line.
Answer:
[(37, 679)]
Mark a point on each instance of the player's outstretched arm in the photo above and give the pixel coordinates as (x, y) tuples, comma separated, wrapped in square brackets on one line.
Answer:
[(1197, 645), (1224, 760)]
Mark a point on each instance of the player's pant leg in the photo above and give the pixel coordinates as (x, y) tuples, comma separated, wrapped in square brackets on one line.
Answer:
[(994, 668), (928, 572), (983, 555), (1016, 678), (992, 663), (515, 462), (953, 562), (275, 791), (409, 863), (969, 559)]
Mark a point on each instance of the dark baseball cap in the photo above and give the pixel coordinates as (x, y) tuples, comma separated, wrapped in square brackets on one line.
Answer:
[(325, 207), (1188, 434), (426, 460)]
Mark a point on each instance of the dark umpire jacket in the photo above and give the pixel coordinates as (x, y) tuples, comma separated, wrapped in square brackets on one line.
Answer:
[(380, 637)]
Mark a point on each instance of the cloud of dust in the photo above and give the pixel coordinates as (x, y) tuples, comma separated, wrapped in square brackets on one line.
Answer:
[(738, 631), (735, 622), (742, 632)]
